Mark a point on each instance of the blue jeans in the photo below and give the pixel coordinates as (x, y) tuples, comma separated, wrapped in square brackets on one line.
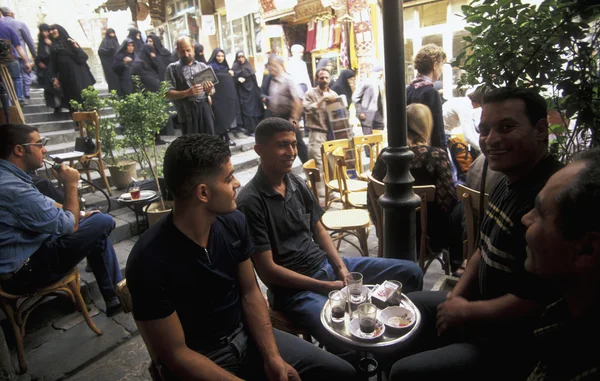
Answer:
[(15, 72), (242, 358), (59, 255), (305, 306)]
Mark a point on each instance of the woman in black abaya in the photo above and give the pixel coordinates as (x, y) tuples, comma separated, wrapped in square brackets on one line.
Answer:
[(146, 67), (199, 53), (135, 36), (163, 56), (122, 62), (52, 96), (225, 103), (248, 92), (344, 84), (107, 50), (68, 67)]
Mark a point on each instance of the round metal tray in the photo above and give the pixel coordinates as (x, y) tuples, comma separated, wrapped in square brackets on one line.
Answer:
[(389, 339)]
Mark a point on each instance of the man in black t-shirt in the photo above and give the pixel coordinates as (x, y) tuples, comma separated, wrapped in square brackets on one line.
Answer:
[(485, 323), (195, 297)]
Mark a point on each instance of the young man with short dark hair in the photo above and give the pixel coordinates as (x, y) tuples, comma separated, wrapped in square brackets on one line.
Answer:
[(485, 323), (294, 254), (195, 297), (40, 240)]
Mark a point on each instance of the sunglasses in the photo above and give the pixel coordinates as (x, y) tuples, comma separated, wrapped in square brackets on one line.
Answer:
[(41, 143)]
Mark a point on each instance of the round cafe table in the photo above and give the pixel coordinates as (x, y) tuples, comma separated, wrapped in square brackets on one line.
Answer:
[(139, 207), (384, 345)]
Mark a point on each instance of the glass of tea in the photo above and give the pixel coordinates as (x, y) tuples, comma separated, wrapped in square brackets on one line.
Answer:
[(355, 289), (337, 303), (134, 192), (367, 318)]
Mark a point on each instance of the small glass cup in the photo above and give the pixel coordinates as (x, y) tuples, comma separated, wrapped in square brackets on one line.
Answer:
[(134, 191), (367, 318), (355, 289), (337, 303)]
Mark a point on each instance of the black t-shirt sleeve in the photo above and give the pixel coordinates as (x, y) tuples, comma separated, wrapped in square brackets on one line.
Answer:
[(245, 248), (149, 294), (256, 221)]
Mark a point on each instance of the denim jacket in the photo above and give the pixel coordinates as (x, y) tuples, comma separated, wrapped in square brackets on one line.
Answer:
[(27, 218)]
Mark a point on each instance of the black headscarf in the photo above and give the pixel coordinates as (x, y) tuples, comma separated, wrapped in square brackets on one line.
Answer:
[(224, 66), (61, 43), (341, 86), (158, 46), (199, 53), (109, 45), (242, 70), (123, 48), (143, 60), (133, 36), (42, 48)]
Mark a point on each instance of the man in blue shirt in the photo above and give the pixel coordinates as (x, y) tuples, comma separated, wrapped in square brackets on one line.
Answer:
[(24, 40), (41, 240), (7, 33)]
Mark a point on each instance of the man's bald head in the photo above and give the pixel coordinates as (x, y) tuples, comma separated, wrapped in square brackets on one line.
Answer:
[(185, 49), (184, 39)]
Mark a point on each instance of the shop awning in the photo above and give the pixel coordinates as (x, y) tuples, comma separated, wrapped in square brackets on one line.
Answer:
[(239, 8)]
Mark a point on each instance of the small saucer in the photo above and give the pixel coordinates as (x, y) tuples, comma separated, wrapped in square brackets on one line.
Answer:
[(354, 328)]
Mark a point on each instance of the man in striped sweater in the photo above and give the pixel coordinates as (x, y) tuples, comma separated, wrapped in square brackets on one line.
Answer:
[(490, 314)]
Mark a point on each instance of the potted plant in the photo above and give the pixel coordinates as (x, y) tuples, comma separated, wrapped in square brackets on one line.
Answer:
[(121, 170), (143, 114)]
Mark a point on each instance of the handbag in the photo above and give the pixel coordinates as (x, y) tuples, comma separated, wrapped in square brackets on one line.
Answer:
[(85, 144)]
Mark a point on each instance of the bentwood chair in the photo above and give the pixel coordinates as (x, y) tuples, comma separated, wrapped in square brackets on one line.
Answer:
[(88, 124), (312, 176), (427, 194), (329, 178), (373, 144), (345, 223), (17, 313), (471, 200), (350, 198)]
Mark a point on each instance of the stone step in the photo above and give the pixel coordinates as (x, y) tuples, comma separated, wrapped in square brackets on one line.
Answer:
[(48, 115), (40, 94)]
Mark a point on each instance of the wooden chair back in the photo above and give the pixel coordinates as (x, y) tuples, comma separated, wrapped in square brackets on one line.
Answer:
[(471, 200), (426, 193), (83, 119), (313, 176), (326, 149), (374, 143)]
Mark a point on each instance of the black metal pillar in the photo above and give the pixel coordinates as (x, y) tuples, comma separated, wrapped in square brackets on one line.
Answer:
[(398, 202)]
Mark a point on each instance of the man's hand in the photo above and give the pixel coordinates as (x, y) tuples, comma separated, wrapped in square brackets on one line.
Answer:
[(194, 90), (55, 83), (362, 117), (329, 286), (127, 60), (341, 273), (242, 80), (208, 87), (231, 73), (278, 370), (452, 314), (27, 66), (42, 65), (67, 175), (332, 98), (89, 213)]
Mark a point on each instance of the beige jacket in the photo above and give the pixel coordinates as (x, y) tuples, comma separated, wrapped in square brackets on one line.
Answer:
[(316, 117)]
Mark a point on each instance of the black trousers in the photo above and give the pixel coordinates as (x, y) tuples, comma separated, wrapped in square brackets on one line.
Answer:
[(429, 357)]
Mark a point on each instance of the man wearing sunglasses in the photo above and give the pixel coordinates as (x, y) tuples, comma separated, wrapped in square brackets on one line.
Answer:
[(40, 240)]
